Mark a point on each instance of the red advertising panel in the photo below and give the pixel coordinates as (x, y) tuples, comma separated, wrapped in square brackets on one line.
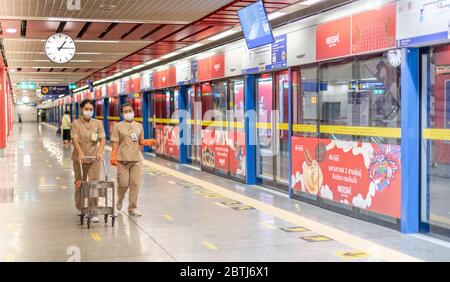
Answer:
[(136, 84), (204, 69), (237, 152), (359, 174), (168, 141), (163, 78), (208, 148), (110, 90), (221, 150), (374, 29), (156, 80), (98, 92), (172, 81), (128, 82), (333, 39), (218, 66)]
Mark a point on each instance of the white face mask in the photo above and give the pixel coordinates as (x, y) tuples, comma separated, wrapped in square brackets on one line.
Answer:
[(87, 114), (128, 116)]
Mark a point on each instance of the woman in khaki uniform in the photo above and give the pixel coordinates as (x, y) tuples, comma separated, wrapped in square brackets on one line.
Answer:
[(88, 136), (127, 137)]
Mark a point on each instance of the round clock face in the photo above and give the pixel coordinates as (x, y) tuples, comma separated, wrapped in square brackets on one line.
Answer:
[(60, 48), (394, 57)]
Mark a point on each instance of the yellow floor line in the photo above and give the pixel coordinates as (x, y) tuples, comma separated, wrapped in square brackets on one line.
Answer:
[(209, 245), (168, 217), (268, 225), (220, 205), (96, 236), (350, 240)]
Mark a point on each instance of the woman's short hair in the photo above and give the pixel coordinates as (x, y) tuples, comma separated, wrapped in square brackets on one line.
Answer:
[(125, 105), (85, 102)]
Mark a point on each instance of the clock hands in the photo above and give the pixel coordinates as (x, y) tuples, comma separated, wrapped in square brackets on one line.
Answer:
[(59, 49)]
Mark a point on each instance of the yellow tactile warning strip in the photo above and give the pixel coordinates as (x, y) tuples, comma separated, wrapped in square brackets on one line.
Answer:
[(96, 236), (318, 238), (354, 242), (353, 255), (209, 245), (168, 217), (294, 229)]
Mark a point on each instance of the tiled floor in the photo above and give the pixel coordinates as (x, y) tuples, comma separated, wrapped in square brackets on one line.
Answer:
[(184, 218)]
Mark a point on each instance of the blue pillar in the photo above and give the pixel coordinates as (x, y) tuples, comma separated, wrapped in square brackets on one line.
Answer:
[(145, 117), (410, 143), (184, 129), (250, 129), (77, 110), (290, 117), (106, 117), (121, 102)]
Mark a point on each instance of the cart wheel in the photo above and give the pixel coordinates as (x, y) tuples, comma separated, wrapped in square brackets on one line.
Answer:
[(113, 221), (106, 218), (89, 223)]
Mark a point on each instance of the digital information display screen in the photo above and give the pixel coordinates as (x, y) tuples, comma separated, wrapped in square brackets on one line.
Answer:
[(255, 25)]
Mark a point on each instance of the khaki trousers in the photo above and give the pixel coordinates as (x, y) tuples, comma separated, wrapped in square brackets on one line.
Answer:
[(129, 176), (91, 170)]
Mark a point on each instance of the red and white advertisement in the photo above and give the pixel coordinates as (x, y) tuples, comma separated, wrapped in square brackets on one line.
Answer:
[(167, 137), (237, 153), (333, 39), (204, 69), (221, 150), (359, 174), (136, 84), (374, 29), (218, 66), (208, 148)]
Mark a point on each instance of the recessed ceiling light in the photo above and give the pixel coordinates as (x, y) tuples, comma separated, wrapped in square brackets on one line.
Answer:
[(11, 30)]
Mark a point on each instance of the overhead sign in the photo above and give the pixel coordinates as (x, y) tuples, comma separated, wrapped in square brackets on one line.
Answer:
[(27, 85), (50, 92), (422, 21)]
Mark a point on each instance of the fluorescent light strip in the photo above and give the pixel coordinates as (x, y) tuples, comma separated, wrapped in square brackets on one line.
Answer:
[(276, 15), (170, 55), (190, 47), (222, 35)]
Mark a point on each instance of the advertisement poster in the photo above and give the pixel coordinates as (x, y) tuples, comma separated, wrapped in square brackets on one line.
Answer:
[(168, 141), (279, 52), (221, 150), (218, 65), (208, 148), (374, 29), (333, 39), (422, 21), (204, 69), (237, 153), (359, 174)]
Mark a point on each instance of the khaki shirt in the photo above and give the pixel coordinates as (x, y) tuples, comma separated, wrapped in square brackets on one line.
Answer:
[(129, 150), (86, 132)]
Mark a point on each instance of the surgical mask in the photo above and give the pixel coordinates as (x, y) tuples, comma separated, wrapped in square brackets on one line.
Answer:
[(87, 114), (128, 116)]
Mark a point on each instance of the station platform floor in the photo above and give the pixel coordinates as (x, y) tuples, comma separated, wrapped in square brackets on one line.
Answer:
[(187, 215)]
